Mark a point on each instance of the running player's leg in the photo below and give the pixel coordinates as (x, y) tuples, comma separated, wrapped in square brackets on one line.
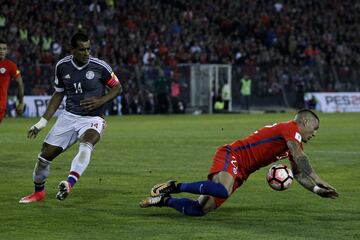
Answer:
[(41, 172), (56, 142), (42, 167), (90, 131), (82, 158)]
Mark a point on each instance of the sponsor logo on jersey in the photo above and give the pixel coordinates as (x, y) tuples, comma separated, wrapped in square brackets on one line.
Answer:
[(235, 165), (2, 70), (67, 76), (298, 136), (90, 75)]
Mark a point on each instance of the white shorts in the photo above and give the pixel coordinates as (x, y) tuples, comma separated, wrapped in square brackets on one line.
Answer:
[(69, 127)]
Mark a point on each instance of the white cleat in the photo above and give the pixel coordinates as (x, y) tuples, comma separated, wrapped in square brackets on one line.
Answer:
[(64, 190), (158, 201)]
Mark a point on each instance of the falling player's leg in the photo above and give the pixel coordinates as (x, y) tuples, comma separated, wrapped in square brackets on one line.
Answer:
[(221, 188), (204, 204), (201, 187), (213, 192)]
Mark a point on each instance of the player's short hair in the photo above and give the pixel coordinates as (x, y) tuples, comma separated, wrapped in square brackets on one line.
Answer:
[(308, 112), (2, 41), (79, 36)]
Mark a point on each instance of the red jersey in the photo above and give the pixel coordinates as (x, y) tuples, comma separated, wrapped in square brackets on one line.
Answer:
[(8, 70), (264, 146)]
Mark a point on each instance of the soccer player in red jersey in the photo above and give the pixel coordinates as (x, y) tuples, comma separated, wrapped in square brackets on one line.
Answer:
[(233, 163), (9, 70)]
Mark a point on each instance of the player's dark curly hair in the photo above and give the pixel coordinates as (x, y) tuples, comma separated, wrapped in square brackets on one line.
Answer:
[(79, 36), (2, 41)]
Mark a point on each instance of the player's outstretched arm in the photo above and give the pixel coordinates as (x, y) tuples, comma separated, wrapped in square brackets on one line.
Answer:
[(54, 104), (305, 174)]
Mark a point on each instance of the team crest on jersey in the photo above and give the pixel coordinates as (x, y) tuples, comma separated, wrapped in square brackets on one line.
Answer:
[(2, 70), (298, 136), (90, 75)]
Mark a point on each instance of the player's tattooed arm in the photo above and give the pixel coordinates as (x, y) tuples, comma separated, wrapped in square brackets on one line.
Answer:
[(300, 165), (305, 174)]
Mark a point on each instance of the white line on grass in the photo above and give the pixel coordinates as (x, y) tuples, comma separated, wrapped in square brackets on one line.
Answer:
[(335, 152)]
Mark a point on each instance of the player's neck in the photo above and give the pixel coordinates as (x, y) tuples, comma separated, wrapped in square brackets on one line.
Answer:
[(79, 64)]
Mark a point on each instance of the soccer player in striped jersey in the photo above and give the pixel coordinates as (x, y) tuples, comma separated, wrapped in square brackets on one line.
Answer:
[(233, 163), (83, 79)]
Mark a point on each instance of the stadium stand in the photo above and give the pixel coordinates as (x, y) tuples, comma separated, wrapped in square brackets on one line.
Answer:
[(283, 45)]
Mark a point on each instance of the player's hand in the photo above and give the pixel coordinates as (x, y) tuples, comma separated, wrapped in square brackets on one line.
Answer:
[(33, 132), (20, 109), (325, 185), (91, 103), (327, 193), (35, 129), (323, 189)]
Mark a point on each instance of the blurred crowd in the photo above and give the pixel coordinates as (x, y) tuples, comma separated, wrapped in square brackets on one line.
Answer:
[(314, 45)]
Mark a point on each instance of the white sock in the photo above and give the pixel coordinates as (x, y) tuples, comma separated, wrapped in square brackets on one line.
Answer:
[(82, 159), (40, 173)]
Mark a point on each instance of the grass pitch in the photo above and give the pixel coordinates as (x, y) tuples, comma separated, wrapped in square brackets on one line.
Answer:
[(138, 151)]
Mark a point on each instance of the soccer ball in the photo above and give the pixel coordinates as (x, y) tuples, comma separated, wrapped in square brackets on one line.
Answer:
[(279, 177)]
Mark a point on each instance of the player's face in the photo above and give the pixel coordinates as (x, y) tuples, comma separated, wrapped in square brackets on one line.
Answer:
[(310, 128), (3, 51), (82, 52)]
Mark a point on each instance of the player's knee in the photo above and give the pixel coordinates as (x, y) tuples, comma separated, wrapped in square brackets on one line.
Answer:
[(208, 204), (206, 209), (50, 152), (90, 136)]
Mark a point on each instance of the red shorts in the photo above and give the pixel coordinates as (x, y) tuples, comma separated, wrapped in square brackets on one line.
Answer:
[(2, 114), (225, 161)]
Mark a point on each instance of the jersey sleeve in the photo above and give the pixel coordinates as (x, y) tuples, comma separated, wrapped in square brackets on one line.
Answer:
[(290, 132), (109, 77), (113, 81), (14, 71), (58, 81)]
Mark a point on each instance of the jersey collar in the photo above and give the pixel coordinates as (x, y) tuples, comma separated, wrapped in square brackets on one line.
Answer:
[(79, 68)]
